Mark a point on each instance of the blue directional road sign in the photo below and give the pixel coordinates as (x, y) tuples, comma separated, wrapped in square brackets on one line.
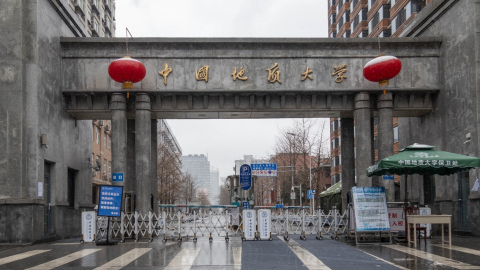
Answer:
[(278, 205), (117, 177), (310, 194), (246, 205), (110, 202), (264, 169), (388, 177), (246, 177)]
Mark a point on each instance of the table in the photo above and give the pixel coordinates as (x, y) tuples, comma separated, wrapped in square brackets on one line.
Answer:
[(429, 219)]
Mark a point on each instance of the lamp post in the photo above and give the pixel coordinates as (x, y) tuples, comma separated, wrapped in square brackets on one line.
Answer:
[(293, 170)]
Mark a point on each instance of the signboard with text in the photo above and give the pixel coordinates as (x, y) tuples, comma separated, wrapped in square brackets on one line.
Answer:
[(246, 205), (245, 177), (310, 194), (117, 177), (396, 218), (264, 169), (264, 223), (110, 201), (370, 206), (89, 226), (249, 223)]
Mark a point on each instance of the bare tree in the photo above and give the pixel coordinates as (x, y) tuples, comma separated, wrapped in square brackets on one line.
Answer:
[(224, 193), (169, 175), (202, 198), (188, 188), (299, 149)]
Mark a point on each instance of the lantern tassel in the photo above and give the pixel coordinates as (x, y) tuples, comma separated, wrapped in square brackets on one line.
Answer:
[(128, 94)]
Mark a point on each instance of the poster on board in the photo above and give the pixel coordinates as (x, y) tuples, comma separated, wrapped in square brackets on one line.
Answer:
[(370, 206)]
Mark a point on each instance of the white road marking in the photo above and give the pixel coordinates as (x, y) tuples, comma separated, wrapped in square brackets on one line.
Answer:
[(21, 256), (308, 259), (124, 259), (461, 249), (237, 257), (64, 260), (64, 244), (438, 260), (184, 259), (392, 264)]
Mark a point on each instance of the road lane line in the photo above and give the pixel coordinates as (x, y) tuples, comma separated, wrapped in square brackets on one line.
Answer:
[(308, 259), (184, 259), (237, 257), (21, 256), (461, 249), (439, 260), (392, 264), (64, 260), (124, 259)]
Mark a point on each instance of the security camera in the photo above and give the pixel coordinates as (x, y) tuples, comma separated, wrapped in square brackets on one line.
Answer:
[(293, 189)]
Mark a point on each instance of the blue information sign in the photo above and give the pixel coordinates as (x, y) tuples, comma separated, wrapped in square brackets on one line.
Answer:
[(278, 205), (246, 205), (310, 194), (388, 177), (245, 177), (117, 177), (110, 202)]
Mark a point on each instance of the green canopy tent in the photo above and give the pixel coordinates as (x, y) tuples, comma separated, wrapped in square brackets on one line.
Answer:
[(422, 159), (331, 197)]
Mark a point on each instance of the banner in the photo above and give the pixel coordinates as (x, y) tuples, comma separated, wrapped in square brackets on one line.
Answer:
[(370, 209), (264, 216), (89, 227), (249, 223)]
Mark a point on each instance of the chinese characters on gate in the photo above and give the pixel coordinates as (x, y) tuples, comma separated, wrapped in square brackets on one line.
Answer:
[(273, 75)]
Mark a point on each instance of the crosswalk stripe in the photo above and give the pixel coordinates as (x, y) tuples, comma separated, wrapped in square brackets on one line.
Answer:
[(21, 256), (124, 259), (439, 260), (237, 257), (64, 260), (184, 259), (461, 249), (385, 261), (308, 259)]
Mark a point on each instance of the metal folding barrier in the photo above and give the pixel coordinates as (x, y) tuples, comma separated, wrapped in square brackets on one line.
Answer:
[(179, 222)]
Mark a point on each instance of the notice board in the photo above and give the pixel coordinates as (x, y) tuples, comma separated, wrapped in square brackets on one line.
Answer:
[(370, 206)]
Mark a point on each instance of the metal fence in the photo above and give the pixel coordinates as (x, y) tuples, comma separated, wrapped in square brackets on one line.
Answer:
[(183, 222)]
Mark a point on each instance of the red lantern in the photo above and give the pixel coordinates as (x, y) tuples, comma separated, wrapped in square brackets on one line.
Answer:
[(382, 69), (127, 70)]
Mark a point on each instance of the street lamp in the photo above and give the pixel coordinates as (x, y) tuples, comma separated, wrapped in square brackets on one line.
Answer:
[(293, 170)]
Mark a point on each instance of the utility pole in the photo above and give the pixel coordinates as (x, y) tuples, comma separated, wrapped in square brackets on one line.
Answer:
[(293, 171)]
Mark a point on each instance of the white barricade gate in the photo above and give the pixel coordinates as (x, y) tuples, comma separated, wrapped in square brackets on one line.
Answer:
[(179, 222), (249, 224)]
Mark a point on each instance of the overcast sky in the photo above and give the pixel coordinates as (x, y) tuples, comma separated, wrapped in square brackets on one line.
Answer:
[(224, 140)]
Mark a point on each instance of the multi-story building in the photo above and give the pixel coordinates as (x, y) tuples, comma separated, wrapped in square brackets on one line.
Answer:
[(371, 18), (366, 18), (213, 191), (97, 17), (101, 156), (199, 167)]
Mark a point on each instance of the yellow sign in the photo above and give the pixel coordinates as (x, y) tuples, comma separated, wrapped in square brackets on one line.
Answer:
[(339, 70), (202, 74), (274, 74), (239, 74), (164, 73), (306, 74)]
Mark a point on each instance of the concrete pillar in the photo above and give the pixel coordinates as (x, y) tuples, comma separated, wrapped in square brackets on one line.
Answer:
[(143, 150), (363, 138), (154, 174), (118, 106), (385, 137), (130, 185), (347, 158)]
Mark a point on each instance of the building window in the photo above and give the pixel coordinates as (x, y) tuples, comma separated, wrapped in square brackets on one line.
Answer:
[(98, 134), (109, 167), (104, 166), (97, 161), (104, 140), (395, 134), (71, 188), (109, 142)]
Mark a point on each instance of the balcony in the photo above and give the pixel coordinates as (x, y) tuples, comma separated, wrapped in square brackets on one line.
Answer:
[(345, 27), (342, 10), (355, 9), (79, 7), (375, 7), (361, 26), (107, 4)]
